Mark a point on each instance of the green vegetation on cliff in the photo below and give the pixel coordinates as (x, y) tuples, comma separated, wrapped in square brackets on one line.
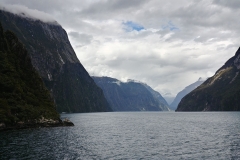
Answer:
[(23, 96), (219, 93)]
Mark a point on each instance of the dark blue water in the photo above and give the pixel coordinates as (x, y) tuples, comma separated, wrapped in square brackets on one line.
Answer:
[(130, 135)]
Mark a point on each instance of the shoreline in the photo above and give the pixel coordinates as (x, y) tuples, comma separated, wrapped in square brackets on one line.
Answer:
[(44, 124)]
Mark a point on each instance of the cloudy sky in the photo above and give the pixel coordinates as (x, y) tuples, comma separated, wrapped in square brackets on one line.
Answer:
[(168, 44)]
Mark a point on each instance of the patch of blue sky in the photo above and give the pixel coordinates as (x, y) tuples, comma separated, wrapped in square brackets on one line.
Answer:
[(170, 26), (131, 26)]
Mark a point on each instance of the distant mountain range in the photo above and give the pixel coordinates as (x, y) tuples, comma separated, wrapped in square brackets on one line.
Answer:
[(54, 59), (221, 92), (131, 95), (184, 92)]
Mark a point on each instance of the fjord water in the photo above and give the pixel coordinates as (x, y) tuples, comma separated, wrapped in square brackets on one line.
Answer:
[(130, 135)]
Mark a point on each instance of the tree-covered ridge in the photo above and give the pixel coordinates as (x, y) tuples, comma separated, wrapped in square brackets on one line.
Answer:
[(23, 96)]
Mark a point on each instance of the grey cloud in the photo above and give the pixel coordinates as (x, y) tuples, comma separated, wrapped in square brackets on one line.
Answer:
[(105, 6), (235, 4), (230, 46), (52, 6), (81, 37), (139, 35)]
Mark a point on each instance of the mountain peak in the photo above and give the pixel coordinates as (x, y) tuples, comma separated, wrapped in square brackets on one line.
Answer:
[(32, 14), (237, 59), (238, 51)]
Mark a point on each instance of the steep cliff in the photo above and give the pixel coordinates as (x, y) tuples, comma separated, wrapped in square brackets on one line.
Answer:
[(130, 96), (24, 100), (184, 92), (218, 93), (55, 60)]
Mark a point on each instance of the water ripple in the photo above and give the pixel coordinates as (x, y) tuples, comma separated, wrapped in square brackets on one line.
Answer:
[(130, 135)]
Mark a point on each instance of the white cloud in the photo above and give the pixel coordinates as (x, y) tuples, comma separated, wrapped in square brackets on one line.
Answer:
[(29, 13), (178, 41)]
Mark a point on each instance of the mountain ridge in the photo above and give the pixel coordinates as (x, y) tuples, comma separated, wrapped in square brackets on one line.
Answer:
[(131, 95), (220, 92)]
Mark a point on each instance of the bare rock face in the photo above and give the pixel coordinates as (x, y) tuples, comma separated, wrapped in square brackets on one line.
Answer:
[(218, 93), (53, 57)]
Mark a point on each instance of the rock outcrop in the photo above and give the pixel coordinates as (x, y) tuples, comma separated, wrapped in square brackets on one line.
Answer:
[(218, 93)]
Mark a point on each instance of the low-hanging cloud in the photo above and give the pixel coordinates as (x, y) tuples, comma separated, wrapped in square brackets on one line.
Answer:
[(24, 11)]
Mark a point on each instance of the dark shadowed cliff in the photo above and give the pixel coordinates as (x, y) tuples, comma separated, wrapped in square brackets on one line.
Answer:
[(53, 57), (130, 96), (24, 100), (218, 93)]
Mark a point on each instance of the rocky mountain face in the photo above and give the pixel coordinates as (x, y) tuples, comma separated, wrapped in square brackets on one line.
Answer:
[(218, 93), (130, 96), (55, 60), (24, 100), (184, 92)]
